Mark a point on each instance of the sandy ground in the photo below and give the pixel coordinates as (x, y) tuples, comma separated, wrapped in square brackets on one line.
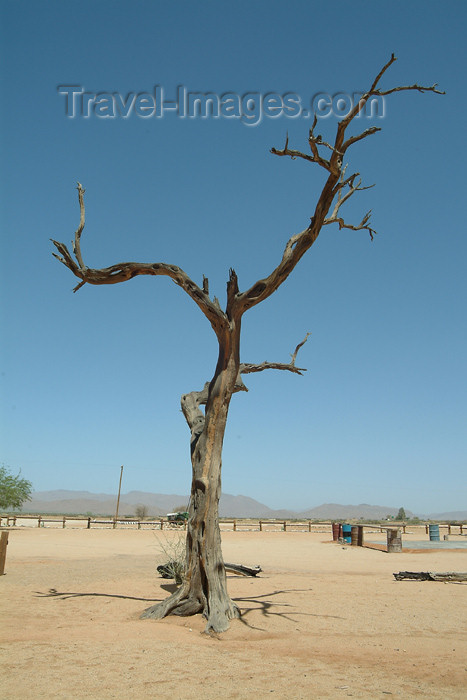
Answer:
[(322, 621)]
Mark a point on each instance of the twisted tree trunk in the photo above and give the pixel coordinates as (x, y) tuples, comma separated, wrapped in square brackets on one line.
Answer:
[(204, 589)]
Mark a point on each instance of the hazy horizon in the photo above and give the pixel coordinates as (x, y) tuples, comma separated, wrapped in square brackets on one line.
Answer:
[(83, 493)]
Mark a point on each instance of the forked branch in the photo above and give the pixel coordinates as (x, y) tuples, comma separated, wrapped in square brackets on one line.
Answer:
[(374, 91), (191, 402), (342, 198), (314, 142), (246, 368)]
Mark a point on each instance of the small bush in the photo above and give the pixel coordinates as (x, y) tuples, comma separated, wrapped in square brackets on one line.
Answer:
[(172, 557), (141, 512)]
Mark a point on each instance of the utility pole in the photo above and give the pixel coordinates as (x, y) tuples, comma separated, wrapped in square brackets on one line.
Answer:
[(118, 497)]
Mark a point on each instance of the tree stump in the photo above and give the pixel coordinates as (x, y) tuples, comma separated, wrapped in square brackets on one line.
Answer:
[(394, 540)]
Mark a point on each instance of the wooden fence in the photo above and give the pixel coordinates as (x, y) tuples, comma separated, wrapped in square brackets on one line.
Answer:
[(235, 524), (80, 522), (226, 524), (272, 525)]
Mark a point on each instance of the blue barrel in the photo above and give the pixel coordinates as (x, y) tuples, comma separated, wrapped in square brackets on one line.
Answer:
[(434, 533), (347, 533)]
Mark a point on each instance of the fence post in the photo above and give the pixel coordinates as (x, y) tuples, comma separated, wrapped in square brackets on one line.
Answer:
[(63, 526), (14, 520), (309, 526), (285, 525), (360, 536), (89, 524), (260, 526), (162, 523), (114, 524), (39, 521), (235, 525), (449, 528), (139, 524), (461, 528), (403, 528), (3, 545), (426, 528)]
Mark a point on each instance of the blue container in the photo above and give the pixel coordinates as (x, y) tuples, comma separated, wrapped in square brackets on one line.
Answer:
[(434, 533), (347, 533)]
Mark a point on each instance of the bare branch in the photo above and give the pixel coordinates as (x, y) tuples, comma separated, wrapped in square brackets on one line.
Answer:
[(314, 142), (419, 88), (382, 72), (76, 243), (343, 124), (191, 402), (341, 199), (246, 368), (286, 151), (232, 291), (295, 248), (363, 225), (78, 286), (122, 272), (363, 135), (375, 92), (301, 242), (300, 345)]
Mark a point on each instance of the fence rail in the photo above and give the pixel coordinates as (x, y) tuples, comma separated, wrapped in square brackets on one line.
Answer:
[(235, 524), (226, 524), (83, 522)]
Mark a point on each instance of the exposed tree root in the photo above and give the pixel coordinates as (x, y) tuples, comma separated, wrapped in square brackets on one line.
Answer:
[(218, 614)]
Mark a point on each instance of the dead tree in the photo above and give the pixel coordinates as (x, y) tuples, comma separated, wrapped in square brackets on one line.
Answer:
[(204, 589)]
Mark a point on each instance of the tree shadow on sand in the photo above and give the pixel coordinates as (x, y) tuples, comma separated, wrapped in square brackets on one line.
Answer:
[(265, 603), (267, 607), (63, 595)]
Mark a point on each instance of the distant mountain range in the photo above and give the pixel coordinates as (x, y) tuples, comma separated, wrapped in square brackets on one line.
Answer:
[(85, 502)]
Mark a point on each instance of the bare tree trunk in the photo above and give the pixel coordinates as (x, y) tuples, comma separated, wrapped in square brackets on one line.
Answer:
[(204, 589)]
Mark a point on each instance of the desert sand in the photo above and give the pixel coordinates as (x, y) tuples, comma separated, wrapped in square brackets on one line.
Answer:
[(323, 620)]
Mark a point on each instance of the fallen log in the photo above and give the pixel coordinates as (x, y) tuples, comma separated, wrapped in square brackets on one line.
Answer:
[(431, 576), (243, 570), (170, 569)]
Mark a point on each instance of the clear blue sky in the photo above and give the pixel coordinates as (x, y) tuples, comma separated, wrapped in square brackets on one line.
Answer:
[(93, 380)]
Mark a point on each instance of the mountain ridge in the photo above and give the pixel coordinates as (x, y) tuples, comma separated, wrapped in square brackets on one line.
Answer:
[(61, 501)]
